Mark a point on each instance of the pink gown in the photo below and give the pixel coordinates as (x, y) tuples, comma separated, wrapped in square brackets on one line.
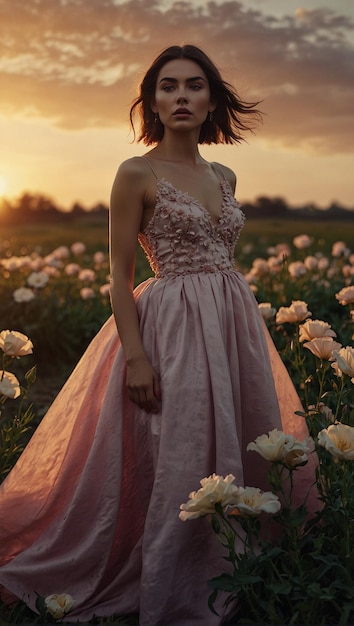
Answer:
[(91, 507)]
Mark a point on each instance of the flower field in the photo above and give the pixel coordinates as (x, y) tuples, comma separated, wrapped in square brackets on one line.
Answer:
[(54, 288)]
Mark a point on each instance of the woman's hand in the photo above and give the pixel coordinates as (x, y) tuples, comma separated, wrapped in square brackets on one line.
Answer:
[(143, 385)]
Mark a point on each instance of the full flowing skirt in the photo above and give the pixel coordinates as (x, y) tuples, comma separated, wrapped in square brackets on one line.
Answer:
[(91, 507)]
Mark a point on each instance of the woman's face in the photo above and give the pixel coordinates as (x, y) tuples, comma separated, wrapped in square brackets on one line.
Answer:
[(182, 95)]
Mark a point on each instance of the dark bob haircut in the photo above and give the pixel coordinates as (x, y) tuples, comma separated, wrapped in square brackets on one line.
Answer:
[(231, 118)]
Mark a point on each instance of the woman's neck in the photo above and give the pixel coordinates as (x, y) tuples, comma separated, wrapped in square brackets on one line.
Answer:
[(178, 149)]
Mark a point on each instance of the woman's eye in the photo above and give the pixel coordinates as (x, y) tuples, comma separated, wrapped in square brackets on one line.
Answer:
[(167, 88), (196, 87)]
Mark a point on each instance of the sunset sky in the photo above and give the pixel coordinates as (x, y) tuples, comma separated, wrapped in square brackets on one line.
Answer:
[(69, 70)]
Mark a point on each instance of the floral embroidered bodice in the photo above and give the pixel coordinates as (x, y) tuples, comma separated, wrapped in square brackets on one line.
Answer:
[(182, 238)]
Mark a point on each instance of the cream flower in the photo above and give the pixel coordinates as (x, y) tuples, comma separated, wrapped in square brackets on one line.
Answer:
[(87, 275), (323, 409), (323, 263), (87, 293), (338, 439), (11, 264), (23, 294), (62, 252), (99, 257), (269, 446), (278, 446), (266, 310), (323, 347), (346, 295), (58, 605), (9, 385), (15, 344), (252, 501), (315, 328), (310, 263), (345, 361), (105, 290), (339, 248), (296, 312), (297, 269), (78, 248), (260, 267), (38, 279), (302, 241), (214, 489), (295, 451), (71, 269)]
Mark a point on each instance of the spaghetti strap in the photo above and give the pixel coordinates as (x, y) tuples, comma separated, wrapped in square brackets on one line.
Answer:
[(150, 166), (222, 178)]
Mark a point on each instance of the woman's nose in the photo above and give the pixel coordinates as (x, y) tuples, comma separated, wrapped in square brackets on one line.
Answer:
[(181, 98)]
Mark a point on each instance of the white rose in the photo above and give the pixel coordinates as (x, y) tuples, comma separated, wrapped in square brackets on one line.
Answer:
[(345, 361), (87, 275), (338, 439), (323, 347), (9, 385), (315, 328), (252, 501), (295, 452), (14, 343), (214, 489), (269, 446), (266, 310), (23, 294), (38, 279), (58, 605)]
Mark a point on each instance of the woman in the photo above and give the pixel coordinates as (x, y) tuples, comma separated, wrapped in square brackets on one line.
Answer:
[(174, 396)]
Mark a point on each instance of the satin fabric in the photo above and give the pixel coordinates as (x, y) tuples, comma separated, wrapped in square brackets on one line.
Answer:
[(91, 507)]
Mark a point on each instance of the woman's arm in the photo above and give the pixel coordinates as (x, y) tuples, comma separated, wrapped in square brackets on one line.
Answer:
[(126, 211)]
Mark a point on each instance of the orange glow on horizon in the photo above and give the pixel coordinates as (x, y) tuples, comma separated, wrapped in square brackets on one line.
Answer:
[(3, 186)]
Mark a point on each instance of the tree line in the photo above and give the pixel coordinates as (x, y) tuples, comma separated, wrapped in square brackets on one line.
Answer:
[(33, 208)]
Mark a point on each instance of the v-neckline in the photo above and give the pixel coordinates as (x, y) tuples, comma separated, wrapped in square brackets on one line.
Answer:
[(214, 223)]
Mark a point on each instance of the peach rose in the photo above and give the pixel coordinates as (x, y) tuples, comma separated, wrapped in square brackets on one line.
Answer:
[(315, 328), (296, 312), (323, 347), (9, 385), (14, 343)]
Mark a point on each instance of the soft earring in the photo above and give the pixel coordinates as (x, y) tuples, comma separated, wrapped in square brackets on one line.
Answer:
[(156, 117), (210, 116)]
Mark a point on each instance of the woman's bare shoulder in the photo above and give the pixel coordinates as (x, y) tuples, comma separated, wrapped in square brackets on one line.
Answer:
[(134, 166)]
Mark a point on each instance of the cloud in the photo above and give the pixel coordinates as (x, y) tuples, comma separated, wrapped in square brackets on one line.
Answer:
[(78, 62)]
